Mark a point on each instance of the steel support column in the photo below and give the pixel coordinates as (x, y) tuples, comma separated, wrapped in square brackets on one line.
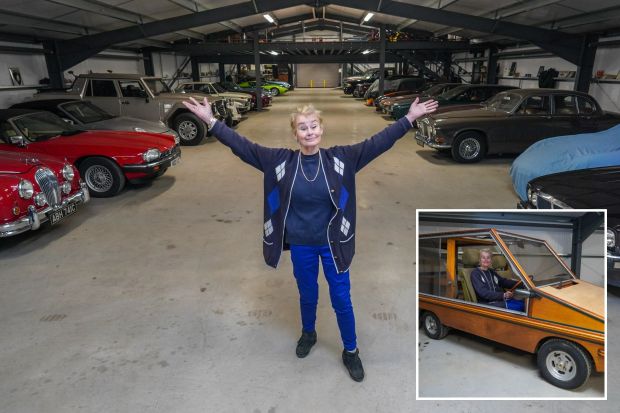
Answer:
[(583, 227), (195, 69), (492, 66), (586, 63), (259, 100), (381, 59), (54, 67), (147, 57), (221, 72)]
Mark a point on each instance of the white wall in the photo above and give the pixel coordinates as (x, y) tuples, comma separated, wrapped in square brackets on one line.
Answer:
[(133, 64), (32, 69), (593, 249), (321, 75)]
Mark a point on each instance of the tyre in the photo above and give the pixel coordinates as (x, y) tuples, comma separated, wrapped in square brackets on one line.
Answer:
[(433, 327), (191, 130), (469, 147), (103, 176), (274, 91), (563, 363)]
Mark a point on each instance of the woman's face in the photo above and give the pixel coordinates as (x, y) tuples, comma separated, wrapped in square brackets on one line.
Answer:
[(308, 132), (485, 260)]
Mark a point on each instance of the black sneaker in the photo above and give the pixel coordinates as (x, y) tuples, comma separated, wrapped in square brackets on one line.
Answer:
[(305, 343), (353, 363)]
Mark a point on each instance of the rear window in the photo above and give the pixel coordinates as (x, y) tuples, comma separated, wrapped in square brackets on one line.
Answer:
[(101, 88)]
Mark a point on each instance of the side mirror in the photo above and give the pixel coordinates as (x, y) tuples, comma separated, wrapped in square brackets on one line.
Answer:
[(522, 293), (17, 140)]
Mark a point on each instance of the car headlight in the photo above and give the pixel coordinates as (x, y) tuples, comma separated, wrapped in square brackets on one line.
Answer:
[(151, 155), (139, 129), (177, 140), (68, 173), (25, 189), (66, 188), (611, 238), (40, 199), (167, 107), (532, 196)]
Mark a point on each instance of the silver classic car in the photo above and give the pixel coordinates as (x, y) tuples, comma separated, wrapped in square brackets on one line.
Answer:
[(511, 121), (145, 97)]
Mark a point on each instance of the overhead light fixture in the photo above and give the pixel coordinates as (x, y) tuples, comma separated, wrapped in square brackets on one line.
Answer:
[(273, 52), (367, 17), (268, 18), (366, 51)]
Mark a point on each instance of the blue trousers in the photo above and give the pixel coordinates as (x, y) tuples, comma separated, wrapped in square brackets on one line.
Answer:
[(306, 270)]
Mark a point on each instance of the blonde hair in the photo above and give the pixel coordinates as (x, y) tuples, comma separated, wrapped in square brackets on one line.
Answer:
[(305, 110), (487, 251)]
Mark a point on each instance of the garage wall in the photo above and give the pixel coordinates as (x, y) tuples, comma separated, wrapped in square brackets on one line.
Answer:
[(607, 94), (129, 63), (593, 250), (318, 73), (32, 69)]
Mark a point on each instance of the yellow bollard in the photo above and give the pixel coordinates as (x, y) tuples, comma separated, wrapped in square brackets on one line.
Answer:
[(312, 83), (324, 83)]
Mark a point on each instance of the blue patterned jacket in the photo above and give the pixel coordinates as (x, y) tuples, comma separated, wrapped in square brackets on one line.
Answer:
[(340, 163)]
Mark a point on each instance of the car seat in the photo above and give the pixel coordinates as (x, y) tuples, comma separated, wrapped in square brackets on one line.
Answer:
[(469, 259), (500, 264)]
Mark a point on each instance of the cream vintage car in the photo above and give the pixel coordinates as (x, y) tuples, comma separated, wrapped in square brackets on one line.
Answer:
[(563, 321)]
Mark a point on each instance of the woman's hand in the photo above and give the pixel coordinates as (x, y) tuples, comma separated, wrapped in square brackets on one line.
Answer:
[(508, 295), (418, 109), (202, 110)]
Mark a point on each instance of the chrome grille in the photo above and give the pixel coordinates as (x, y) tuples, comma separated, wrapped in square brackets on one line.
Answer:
[(49, 185)]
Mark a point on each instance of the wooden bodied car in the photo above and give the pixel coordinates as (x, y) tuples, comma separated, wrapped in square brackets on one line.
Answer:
[(563, 320)]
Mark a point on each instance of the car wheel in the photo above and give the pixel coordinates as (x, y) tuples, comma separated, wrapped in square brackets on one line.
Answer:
[(274, 91), (469, 147), (563, 363), (433, 327), (103, 176), (191, 130)]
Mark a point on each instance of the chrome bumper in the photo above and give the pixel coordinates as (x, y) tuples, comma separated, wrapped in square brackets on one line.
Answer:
[(34, 219), (153, 167), (426, 141)]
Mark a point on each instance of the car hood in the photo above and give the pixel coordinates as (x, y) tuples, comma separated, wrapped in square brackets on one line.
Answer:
[(110, 140), (581, 294), (19, 163), (234, 95), (452, 113), (565, 153), (179, 97), (127, 123)]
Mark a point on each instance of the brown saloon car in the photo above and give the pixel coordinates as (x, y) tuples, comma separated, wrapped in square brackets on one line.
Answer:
[(511, 121)]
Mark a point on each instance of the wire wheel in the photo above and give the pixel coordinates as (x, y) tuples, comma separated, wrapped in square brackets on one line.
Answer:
[(99, 178), (469, 148)]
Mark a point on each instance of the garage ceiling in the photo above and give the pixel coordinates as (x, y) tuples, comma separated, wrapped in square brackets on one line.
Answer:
[(71, 19)]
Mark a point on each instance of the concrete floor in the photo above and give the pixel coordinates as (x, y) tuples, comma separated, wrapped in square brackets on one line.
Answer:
[(158, 300)]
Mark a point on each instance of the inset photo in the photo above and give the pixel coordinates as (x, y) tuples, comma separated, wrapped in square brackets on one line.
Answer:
[(511, 304)]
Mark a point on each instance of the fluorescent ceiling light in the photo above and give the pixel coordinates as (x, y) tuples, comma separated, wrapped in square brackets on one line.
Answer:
[(366, 51), (273, 52), (268, 18), (368, 16)]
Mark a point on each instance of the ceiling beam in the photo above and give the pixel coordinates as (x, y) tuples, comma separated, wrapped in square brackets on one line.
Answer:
[(299, 59), (505, 12), (565, 45), (76, 50), (436, 4), (201, 5), (119, 13)]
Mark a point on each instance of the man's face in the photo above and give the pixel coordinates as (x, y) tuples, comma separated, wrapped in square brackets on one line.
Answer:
[(485, 260)]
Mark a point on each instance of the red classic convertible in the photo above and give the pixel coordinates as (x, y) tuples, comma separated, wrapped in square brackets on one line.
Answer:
[(34, 190), (105, 159)]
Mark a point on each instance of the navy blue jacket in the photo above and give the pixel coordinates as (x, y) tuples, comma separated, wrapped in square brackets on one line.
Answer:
[(489, 285), (280, 165)]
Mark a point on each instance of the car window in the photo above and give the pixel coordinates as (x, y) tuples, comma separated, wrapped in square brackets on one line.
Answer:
[(132, 89), (565, 104), (86, 112), (219, 88), (433, 276), (504, 102), (586, 106), (7, 130), (101, 88), (535, 105), (42, 125)]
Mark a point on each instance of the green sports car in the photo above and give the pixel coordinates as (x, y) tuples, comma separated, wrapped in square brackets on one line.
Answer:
[(275, 88)]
